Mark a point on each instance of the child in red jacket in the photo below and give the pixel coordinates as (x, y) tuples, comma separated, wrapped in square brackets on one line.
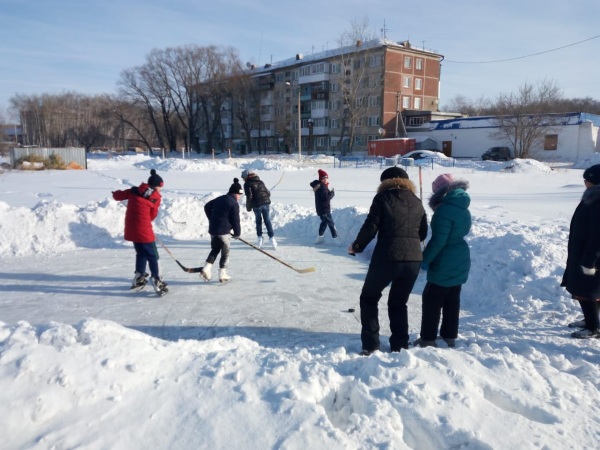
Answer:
[(142, 208)]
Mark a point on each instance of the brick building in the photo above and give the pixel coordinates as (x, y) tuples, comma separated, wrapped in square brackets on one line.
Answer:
[(346, 97)]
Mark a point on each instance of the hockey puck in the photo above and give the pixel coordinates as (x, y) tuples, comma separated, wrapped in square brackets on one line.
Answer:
[(351, 310)]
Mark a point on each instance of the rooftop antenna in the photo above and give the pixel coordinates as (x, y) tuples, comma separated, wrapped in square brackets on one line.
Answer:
[(260, 48), (384, 31)]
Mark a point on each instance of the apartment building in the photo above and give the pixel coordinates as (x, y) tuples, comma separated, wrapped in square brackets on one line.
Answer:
[(338, 100)]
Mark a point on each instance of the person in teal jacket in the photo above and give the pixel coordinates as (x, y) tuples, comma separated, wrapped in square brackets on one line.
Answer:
[(446, 259)]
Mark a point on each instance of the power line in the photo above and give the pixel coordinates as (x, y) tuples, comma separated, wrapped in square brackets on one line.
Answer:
[(522, 57)]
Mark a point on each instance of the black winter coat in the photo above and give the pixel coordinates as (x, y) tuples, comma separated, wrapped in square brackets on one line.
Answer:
[(323, 197), (256, 192), (584, 247), (398, 219), (223, 215)]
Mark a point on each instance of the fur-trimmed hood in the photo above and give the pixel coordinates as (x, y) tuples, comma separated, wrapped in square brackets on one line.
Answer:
[(438, 197), (397, 183), (591, 195)]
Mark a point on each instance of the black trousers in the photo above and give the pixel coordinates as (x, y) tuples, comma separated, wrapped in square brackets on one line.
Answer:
[(219, 244), (402, 275), (440, 301), (590, 309)]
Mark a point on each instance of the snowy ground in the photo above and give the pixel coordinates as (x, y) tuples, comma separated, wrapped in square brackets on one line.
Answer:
[(270, 360)]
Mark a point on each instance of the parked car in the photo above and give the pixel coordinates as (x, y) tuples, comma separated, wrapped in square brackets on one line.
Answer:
[(496, 154), (422, 154)]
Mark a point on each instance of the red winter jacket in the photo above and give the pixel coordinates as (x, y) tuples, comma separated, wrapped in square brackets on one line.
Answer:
[(142, 209)]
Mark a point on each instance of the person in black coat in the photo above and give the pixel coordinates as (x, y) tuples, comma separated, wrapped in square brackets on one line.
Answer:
[(399, 221), (223, 218), (581, 278), (258, 200), (323, 196)]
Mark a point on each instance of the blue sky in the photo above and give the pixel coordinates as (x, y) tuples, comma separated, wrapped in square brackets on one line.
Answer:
[(52, 46)]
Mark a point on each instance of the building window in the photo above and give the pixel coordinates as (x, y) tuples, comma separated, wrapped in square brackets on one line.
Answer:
[(414, 121), (418, 84), (551, 142), (375, 101), (407, 62), (376, 61), (359, 140), (417, 102), (334, 86), (317, 68), (406, 82), (335, 68), (406, 102), (418, 64), (373, 121), (334, 123), (322, 141)]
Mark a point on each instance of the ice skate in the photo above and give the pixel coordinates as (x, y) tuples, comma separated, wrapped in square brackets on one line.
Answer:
[(206, 272)]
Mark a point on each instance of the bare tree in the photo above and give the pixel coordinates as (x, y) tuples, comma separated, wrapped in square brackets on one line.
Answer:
[(142, 88), (524, 117), (181, 90), (68, 119), (465, 106), (245, 100), (359, 83)]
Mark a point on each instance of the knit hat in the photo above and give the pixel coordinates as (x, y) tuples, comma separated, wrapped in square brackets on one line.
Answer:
[(393, 172), (236, 187), (155, 180), (247, 172), (442, 181), (322, 174), (592, 174)]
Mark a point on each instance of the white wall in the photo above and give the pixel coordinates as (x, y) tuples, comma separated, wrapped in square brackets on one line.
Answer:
[(470, 138)]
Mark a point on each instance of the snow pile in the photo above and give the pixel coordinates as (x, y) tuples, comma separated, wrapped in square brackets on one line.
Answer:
[(84, 363), (526, 166)]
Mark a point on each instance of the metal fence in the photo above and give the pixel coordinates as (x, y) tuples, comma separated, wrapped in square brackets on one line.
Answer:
[(68, 155)]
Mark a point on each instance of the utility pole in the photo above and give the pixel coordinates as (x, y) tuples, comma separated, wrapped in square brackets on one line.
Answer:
[(397, 112)]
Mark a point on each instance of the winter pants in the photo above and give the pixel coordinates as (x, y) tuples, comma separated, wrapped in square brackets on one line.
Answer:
[(262, 213), (327, 221), (402, 275), (219, 244), (590, 309), (440, 301), (146, 253)]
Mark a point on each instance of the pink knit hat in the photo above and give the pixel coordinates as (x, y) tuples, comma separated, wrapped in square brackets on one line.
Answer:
[(443, 180)]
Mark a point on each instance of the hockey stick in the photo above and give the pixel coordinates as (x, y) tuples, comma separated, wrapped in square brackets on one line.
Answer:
[(185, 269), (307, 270), (278, 181)]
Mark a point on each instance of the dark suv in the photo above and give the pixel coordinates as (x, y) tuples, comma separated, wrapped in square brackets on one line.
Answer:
[(497, 154)]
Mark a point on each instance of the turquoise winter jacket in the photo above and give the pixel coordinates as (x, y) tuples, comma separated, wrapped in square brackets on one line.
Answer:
[(447, 253)]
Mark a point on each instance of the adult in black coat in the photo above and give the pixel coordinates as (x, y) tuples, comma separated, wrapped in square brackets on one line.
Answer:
[(399, 220), (223, 218), (581, 277), (258, 200)]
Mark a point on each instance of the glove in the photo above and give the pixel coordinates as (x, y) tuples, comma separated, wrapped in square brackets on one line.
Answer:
[(589, 271), (424, 266), (235, 236), (353, 249)]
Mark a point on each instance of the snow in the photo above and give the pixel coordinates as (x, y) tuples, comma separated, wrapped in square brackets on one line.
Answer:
[(270, 360)]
